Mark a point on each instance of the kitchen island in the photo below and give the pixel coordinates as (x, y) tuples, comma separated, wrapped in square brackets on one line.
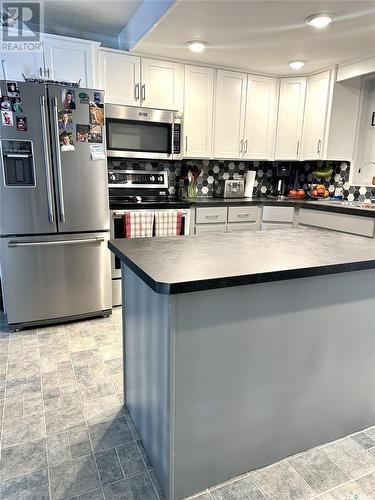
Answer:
[(244, 349)]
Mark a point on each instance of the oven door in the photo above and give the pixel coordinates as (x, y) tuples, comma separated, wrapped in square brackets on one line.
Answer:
[(139, 132)]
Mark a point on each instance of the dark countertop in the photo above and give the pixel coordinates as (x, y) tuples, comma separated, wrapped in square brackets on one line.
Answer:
[(192, 263), (330, 206)]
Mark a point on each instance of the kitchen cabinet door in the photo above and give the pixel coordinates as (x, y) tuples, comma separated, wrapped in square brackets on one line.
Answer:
[(198, 115), (229, 114), (70, 59), (290, 118), (260, 121), (16, 64), (120, 76), (316, 112), (162, 84)]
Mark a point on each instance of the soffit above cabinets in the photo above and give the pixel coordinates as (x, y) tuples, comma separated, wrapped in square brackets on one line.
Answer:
[(262, 36)]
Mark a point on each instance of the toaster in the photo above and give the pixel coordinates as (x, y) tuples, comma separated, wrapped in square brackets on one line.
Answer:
[(229, 188)]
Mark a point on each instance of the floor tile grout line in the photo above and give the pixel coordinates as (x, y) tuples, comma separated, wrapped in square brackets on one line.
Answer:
[(303, 479), (5, 398), (257, 485), (44, 420)]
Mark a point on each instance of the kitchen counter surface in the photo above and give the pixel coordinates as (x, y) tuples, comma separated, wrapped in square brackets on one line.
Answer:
[(332, 206), (178, 265)]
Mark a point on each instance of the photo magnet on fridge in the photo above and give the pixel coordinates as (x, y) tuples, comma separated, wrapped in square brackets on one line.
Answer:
[(13, 90), (21, 123), (95, 134), (82, 132), (96, 114), (6, 103), (16, 104), (7, 118), (65, 119), (98, 99), (66, 142), (68, 98)]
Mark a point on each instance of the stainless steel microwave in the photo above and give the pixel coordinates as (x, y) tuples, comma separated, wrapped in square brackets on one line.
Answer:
[(143, 133)]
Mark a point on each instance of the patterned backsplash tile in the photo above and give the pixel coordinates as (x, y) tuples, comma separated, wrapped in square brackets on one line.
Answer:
[(301, 174)]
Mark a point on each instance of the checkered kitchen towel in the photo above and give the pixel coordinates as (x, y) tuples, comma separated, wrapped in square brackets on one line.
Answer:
[(168, 223), (138, 224)]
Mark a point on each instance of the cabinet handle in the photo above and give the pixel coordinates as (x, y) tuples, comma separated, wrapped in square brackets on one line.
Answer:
[(297, 148), (241, 146), (212, 216), (243, 215), (186, 143), (136, 92), (245, 146), (319, 146), (40, 71), (143, 92), (48, 72)]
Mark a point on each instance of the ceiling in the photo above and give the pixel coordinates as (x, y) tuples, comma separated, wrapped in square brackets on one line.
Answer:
[(263, 35), (105, 18)]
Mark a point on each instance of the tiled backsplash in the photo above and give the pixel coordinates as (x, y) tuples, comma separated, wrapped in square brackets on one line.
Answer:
[(266, 171)]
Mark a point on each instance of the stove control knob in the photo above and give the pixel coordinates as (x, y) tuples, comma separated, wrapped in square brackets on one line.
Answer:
[(152, 178), (160, 178), (112, 177)]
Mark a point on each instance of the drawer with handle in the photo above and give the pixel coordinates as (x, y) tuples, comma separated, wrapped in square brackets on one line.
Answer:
[(243, 214), (211, 215)]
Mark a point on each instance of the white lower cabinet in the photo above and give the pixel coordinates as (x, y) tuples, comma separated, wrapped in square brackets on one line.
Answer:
[(211, 215), (267, 226), (210, 228), (242, 226), (278, 214), (353, 224)]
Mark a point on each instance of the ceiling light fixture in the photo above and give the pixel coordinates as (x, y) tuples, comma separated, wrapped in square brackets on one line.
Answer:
[(296, 64), (320, 20), (196, 45)]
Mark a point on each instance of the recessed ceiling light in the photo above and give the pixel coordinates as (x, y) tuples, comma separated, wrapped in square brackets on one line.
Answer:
[(196, 45), (296, 64), (320, 20)]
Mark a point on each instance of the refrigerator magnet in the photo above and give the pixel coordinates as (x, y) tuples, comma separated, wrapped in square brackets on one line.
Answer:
[(13, 90), (5, 103), (16, 104), (98, 98), (66, 142), (7, 118), (83, 98), (82, 132), (95, 134), (21, 123), (65, 119), (68, 98), (96, 114), (97, 152)]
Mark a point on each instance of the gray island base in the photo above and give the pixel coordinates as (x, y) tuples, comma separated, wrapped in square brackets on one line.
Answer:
[(228, 379)]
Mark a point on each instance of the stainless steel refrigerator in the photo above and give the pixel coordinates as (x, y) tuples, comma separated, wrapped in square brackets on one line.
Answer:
[(54, 210)]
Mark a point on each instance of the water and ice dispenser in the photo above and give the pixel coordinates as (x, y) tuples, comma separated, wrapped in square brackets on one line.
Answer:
[(18, 163)]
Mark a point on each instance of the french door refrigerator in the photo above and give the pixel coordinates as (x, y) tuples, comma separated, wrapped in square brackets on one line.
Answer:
[(54, 209)]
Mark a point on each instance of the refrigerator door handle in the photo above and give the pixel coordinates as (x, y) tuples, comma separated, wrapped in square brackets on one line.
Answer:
[(51, 217), (15, 244), (58, 162)]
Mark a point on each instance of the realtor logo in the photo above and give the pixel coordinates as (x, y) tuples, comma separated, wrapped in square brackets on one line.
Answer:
[(20, 26)]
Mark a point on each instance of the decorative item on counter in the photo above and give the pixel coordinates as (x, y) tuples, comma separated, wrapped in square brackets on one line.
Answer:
[(324, 173), (297, 193), (318, 192), (249, 183), (189, 176)]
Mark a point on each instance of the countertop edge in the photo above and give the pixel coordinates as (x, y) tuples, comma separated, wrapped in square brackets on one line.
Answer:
[(247, 279)]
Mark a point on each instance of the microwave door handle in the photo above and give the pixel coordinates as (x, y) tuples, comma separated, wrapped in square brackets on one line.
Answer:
[(58, 162), (46, 158)]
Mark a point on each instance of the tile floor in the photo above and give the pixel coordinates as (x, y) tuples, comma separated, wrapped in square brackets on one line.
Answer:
[(65, 434)]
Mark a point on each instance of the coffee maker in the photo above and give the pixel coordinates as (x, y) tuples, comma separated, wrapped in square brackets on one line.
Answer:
[(282, 179)]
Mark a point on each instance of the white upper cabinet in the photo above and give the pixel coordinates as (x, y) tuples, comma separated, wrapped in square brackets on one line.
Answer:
[(229, 114), (316, 113), (119, 75), (16, 64), (70, 59), (290, 118), (162, 84), (198, 115), (260, 121)]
